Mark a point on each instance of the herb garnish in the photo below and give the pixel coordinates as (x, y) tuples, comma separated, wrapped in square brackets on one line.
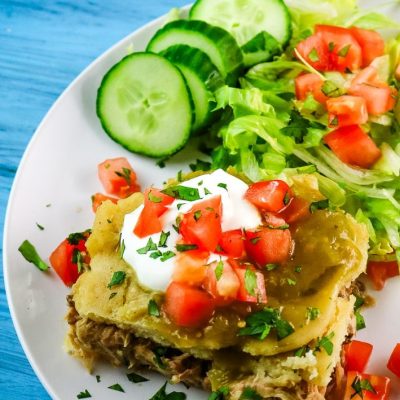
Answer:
[(182, 193), (219, 394), (330, 89), (163, 239), (41, 227), (298, 269), (334, 121), (331, 46), (98, 378), (162, 395), (117, 278), (83, 395), (150, 246), (250, 281), (152, 308), (344, 51), (197, 215), (155, 254), (125, 174), (291, 282), (186, 247), (286, 199), (255, 240), (301, 352), (77, 259), (261, 323), (30, 254), (325, 343), (319, 205), (200, 165), (135, 378), (206, 191), (249, 394), (154, 198), (312, 313), (223, 186), (359, 385), (282, 227), (271, 267), (167, 255), (75, 238), (360, 322), (219, 269), (313, 55), (116, 387), (112, 295), (158, 353)]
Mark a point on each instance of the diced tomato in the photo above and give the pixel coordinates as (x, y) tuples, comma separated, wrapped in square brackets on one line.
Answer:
[(202, 224), (347, 110), (379, 99), (297, 210), (99, 198), (380, 385), (379, 272), (222, 282), (371, 42), (64, 259), (310, 84), (190, 267), (394, 361), (187, 306), (353, 146), (118, 177), (344, 51), (269, 195), (232, 244), (315, 51), (357, 355), (367, 75), (246, 274), (155, 204), (273, 220), (268, 246)]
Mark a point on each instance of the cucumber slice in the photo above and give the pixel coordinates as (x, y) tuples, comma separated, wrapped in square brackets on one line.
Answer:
[(263, 47), (202, 77), (218, 44), (144, 104), (244, 19)]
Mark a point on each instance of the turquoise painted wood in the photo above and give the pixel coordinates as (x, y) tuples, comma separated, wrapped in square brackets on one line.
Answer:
[(44, 44)]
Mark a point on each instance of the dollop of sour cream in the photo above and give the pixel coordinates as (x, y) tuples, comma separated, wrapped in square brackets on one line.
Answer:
[(237, 212)]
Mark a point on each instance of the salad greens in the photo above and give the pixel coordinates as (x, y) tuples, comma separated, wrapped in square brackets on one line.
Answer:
[(264, 132)]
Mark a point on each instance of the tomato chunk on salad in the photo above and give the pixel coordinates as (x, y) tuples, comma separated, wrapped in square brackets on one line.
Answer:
[(353, 146), (190, 267), (357, 355), (118, 177), (346, 111), (380, 271), (231, 244), (310, 84)]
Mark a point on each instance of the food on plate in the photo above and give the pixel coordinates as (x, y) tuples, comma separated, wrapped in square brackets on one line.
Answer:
[(184, 299)]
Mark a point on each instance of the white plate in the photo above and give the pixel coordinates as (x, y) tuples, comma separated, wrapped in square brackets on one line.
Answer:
[(59, 168)]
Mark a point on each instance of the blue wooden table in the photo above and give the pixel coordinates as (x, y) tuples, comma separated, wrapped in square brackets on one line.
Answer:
[(44, 44)]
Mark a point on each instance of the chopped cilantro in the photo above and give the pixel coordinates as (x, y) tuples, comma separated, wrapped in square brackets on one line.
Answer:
[(359, 385), (200, 183), (30, 254), (135, 378), (261, 323), (98, 379), (150, 246), (117, 278), (344, 51), (249, 394), (77, 259), (312, 313), (330, 89), (112, 295), (291, 282), (152, 308), (286, 199), (83, 395), (153, 198), (301, 352), (160, 352), (179, 205), (334, 121), (219, 269), (360, 321), (197, 215), (155, 254), (331, 46), (116, 387), (162, 394), (250, 281), (325, 343), (271, 267), (161, 163), (163, 239), (41, 227), (200, 165), (124, 174), (298, 269), (179, 177), (313, 55), (319, 205), (167, 255), (255, 240), (281, 227), (75, 238), (186, 247), (219, 394), (223, 186), (182, 193), (206, 191)]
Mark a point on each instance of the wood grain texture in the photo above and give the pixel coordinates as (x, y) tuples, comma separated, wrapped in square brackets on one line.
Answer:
[(44, 44)]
